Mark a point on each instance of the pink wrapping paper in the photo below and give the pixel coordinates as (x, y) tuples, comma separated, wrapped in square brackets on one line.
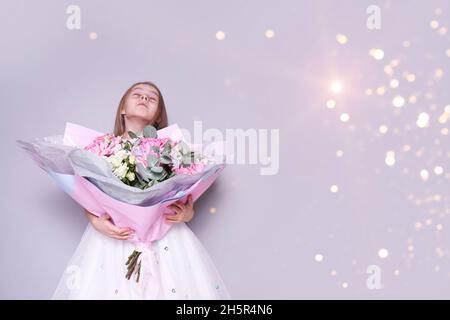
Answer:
[(148, 222)]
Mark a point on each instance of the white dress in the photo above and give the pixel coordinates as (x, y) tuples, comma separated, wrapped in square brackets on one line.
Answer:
[(180, 269)]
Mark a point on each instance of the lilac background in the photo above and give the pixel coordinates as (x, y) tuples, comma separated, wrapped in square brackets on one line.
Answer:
[(267, 229)]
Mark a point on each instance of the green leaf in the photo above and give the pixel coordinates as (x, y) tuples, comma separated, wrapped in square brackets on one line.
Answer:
[(157, 169), (166, 160), (137, 142), (154, 176), (167, 148), (187, 159), (132, 135), (150, 132), (184, 147), (155, 149), (163, 177), (138, 176), (171, 174), (152, 160), (142, 172)]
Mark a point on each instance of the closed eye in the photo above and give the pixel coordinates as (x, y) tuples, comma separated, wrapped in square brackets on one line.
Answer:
[(137, 95)]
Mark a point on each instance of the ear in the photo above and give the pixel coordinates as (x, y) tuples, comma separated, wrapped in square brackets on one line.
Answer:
[(122, 112)]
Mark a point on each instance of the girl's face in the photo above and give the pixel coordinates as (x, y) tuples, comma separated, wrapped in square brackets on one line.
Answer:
[(141, 104)]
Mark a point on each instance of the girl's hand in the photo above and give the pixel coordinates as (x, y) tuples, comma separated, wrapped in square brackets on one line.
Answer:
[(184, 212), (105, 226)]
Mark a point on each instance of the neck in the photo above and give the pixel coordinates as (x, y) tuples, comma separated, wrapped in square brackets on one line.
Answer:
[(136, 126)]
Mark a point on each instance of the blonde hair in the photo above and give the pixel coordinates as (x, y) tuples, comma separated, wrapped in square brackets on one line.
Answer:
[(161, 114)]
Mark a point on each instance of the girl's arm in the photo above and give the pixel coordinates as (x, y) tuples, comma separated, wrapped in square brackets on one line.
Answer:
[(105, 226)]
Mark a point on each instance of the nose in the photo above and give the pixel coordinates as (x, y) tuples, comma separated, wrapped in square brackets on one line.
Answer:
[(144, 97)]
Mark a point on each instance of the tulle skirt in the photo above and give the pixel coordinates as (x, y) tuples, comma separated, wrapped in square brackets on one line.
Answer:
[(176, 267)]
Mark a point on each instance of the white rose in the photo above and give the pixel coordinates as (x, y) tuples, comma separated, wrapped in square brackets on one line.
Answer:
[(130, 176), (132, 159), (117, 158), (115, 161), (121, 154), (121, 171)]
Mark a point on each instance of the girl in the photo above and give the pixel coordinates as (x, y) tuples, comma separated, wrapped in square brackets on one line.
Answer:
[(97, 268)]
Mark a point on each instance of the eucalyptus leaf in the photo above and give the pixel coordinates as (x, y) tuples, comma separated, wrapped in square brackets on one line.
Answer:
[(154, 176), (142, 172), (171, 174), (166, 160), (155, 149), (184, 147), (132, 135), (167, 148), (163, 177), (152, 160), (150, 132), (187, 159), (141, 180), (157, 169)]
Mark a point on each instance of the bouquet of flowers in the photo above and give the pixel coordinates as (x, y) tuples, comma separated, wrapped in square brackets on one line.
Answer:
[(147, 160), (133, 180)]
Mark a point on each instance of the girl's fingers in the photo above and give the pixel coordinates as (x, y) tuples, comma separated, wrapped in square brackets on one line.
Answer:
[(121, 237), (105, 217), (126, 231), (115, 229), (173, 219), (176, 209), (125, 234), (176, 205), (120, 231)]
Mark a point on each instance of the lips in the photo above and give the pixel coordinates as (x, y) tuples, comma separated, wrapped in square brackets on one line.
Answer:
[(142, 104)]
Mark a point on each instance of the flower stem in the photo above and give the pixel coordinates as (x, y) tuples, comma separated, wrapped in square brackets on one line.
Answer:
[(132, 263)]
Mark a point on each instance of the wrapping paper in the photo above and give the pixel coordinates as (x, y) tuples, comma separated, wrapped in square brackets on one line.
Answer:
[(87, 178)]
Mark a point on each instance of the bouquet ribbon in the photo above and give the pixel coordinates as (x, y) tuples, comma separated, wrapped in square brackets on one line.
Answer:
[(150, 283)]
